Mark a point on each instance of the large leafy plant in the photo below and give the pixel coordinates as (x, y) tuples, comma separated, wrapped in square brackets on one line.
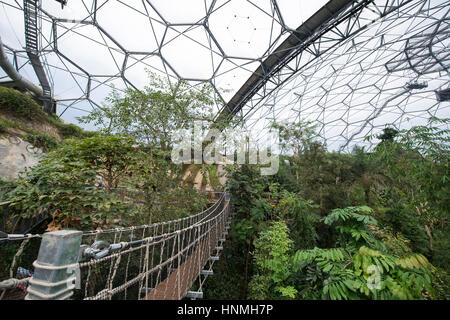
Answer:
[(272, 254), (361, 268), (111, 156), (301, 217), (63, 183)]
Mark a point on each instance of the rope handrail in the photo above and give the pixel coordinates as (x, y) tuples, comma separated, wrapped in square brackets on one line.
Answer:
[(160, 260), (154, 240), (182, 254), (4, 236), (13, 283), (162, 223)]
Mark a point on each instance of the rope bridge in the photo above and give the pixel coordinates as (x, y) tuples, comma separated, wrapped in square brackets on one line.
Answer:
[(159, 261)]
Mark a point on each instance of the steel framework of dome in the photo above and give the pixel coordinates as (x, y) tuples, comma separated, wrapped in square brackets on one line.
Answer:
[(351, 66)]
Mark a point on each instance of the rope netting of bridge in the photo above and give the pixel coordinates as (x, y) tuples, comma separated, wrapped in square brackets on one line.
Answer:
[(159, 261)]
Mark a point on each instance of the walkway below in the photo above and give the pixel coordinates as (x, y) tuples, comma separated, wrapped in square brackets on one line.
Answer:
[(175, 286)]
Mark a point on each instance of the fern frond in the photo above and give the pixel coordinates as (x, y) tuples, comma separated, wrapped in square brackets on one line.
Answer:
[(333, 254), (413, 261)]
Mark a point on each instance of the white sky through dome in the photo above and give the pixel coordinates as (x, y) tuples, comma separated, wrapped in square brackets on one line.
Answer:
[(224, 42)]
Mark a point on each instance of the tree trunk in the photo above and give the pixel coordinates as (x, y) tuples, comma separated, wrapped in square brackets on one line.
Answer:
[(150, 212), (430, 237), (367, 194), (245, 284), (427, 227)]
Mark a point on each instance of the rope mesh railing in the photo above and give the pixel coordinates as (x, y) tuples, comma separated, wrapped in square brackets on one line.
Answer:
[(161, 266), (161, 226), (155, 261), (165, 226)]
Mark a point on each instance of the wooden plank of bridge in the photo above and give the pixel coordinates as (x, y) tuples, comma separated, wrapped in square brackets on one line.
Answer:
[(169, 289)]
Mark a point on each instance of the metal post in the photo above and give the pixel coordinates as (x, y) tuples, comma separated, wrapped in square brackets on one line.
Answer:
[(56, 267)]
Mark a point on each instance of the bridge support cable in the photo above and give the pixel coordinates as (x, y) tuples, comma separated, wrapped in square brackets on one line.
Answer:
[(21, 226)]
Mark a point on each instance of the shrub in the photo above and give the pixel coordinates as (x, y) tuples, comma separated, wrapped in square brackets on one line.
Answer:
[(42, 140), (90, 134), (4, 124), (70, 130), (67, 130), (19, 104), (61, 179), (272, 263)]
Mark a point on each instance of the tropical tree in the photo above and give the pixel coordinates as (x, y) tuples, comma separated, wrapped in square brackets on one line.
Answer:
[(153, 114), (417, 163), (273, 249), (64, 181)]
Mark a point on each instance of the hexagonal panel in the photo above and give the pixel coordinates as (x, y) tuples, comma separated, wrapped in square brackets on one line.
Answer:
[(75, 41), (347, 82), (137, 66), (138, 33), (293, 13), (180, 11), (244, 29), (70, 11), (190, 52)]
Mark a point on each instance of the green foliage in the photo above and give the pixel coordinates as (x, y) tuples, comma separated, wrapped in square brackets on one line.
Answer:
[(167, 196), (353, 224), (297, 138), (272, 249), (20, 105), (112, 156), (357, 213), (330, 180), (230, 277), (153, 114), (301, 217), (418, 158), (271, 259), (252, 211), (398, 214), (213, 178), (67, 130), (42, 140), (247, 184), (5, 124), (394, 243), (62, 186), (416, 162), (172, 204), (61, 182), (388, 134), (246, 228), (259, 287), (384, 232), (333, 255), (359, 271)]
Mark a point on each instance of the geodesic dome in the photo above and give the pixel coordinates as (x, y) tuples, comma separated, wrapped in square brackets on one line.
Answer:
[(350, 66)]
